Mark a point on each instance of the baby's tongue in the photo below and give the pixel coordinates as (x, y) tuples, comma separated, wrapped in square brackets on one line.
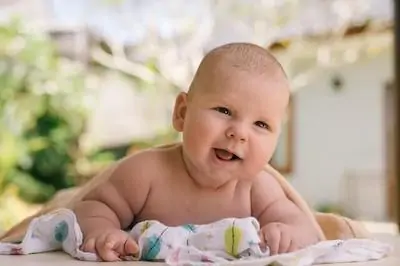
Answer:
[(223, 154)]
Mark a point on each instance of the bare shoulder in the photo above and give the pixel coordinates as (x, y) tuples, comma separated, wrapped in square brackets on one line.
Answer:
[(265, 190), (139, 165), (137, 171), (266, 184), (131, 178)]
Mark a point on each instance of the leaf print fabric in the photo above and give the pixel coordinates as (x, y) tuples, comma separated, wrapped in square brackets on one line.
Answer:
[(222, 242), (228, 238), (61, 231), (233, 237)]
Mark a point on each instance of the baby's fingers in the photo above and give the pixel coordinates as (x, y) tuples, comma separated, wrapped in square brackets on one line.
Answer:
[(105, 247), (130, 247), (272, 237), (286, 243)]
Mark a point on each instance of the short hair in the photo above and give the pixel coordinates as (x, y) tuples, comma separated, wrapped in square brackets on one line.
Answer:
[(243, 56)]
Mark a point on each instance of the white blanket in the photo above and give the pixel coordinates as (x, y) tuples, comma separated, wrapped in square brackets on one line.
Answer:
[(225, 242)]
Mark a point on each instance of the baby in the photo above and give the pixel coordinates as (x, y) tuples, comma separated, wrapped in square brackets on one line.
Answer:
[(230, 121)]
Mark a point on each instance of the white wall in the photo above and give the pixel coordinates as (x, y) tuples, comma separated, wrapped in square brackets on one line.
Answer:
[(336, 132), (123, 112)]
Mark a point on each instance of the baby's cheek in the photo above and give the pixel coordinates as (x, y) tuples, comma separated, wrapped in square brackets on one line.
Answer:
[(196, 137), (264, 148), (270, 146), (209, 127), (199, 121), (261, 156)]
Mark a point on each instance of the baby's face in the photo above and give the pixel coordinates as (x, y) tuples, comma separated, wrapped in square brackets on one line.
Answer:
[(232, 125)]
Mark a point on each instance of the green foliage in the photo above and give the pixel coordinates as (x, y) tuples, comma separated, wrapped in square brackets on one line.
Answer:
[(42, 114)]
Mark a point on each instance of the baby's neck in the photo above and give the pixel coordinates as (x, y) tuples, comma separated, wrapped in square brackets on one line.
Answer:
[(191, 173)]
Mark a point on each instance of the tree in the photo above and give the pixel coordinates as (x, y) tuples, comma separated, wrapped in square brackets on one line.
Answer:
[(42, 114)]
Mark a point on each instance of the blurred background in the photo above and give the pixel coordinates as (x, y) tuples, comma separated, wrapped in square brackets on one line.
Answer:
[(84, 83)]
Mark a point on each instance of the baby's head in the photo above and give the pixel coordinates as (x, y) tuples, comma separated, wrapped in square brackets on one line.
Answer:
[(231, 116)]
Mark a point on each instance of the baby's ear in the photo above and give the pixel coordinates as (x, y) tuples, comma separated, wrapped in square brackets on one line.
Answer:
[(179, 114)]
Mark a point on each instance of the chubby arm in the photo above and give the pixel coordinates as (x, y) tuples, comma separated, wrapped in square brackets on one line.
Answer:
[(271, 206), (114, 203)]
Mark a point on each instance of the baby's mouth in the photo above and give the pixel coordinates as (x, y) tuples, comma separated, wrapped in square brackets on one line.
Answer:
[(225, 155)]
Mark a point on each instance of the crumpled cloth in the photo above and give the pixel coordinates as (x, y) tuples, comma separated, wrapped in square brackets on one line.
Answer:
[(229, 241)]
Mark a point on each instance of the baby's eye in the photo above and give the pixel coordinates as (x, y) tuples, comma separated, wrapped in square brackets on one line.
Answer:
[(223, 110), (262, 125)]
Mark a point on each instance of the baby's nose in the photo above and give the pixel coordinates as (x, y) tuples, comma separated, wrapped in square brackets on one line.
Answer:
[(237, 133)]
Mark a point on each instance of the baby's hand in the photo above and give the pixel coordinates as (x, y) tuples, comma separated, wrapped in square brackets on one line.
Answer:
[(280, 238), (110, 244)]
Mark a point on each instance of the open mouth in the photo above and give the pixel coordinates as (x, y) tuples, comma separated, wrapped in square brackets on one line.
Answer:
[(225, 155)]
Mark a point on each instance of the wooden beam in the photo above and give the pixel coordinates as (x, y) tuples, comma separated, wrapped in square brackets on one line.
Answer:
[(396, 109)]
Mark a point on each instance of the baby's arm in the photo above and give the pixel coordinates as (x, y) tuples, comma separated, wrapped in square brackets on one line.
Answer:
[(111, 207), (284, 226)]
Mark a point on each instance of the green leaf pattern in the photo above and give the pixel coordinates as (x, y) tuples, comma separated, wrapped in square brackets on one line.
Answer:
[(151, 248), (233, 237), (61, 231)]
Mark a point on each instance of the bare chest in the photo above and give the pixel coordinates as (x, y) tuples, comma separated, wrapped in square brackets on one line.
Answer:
[(174, 204)]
